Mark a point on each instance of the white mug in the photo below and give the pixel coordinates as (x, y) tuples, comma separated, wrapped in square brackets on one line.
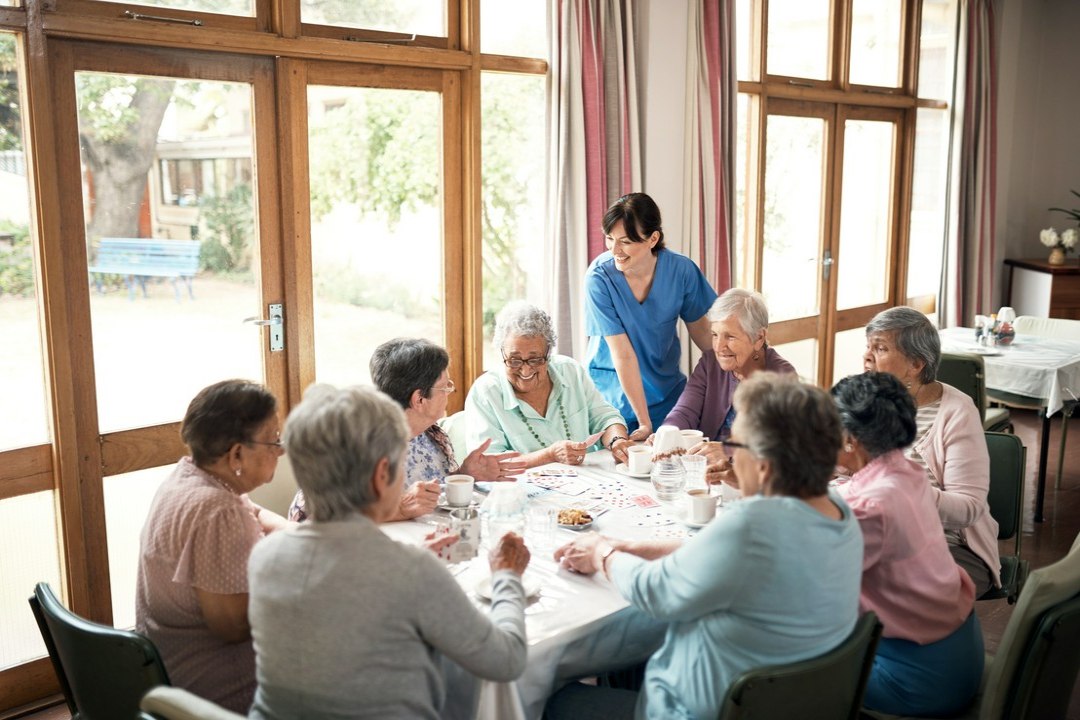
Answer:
[(701, 506), (639, 459), (690, 438), (458, 489)]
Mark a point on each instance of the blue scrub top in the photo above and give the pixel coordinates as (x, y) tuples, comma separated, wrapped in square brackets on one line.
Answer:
[(679, 290)]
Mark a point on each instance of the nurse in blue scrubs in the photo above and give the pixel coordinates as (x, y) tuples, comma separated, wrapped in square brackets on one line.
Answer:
[(635, 294)]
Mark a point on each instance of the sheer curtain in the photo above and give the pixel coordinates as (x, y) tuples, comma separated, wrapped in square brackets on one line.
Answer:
[(969, 268), (595, 150)]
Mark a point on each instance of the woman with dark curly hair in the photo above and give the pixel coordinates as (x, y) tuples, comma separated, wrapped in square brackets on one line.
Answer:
[(930, 658)]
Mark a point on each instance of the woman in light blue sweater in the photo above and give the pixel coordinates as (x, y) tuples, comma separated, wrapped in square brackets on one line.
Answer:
[(774, 579)]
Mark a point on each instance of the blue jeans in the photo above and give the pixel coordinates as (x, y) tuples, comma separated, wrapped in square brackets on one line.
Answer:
[(939, 679)]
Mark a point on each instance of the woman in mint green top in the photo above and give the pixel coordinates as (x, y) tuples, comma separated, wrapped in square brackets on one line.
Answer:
[(542, 405)]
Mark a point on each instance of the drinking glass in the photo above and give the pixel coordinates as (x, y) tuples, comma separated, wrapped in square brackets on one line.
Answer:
[(694, 465), (668, 478)]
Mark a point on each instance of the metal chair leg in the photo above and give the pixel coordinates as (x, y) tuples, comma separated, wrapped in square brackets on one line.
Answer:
[(1065, 414)]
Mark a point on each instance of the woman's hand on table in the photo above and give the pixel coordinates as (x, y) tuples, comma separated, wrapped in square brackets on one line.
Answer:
[(420, 499), (568, 452), (642, 434), (509, 553), (580, 555), (619, 448), (496, 466)]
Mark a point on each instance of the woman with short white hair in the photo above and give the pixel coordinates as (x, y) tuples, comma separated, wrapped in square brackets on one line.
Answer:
[(348, 623), (739, 325), (543, 405)]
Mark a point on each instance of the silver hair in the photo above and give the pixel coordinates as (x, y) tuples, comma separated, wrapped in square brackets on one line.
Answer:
[(335, 438), (915, 336), (522, 319), (746, 306)]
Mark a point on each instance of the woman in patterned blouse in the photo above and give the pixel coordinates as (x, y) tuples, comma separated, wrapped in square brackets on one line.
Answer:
[(413, 372)]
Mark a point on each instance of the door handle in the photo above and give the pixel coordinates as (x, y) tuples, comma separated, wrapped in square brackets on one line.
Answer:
[(826, 265), (276, 323)]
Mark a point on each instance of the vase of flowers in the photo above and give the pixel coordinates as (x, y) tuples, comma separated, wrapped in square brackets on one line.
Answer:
[(1061, 244)]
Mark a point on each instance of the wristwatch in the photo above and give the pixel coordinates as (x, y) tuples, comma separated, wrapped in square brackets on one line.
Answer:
[(615, 440)]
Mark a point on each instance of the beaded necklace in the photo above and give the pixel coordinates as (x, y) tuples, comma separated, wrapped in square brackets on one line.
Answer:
[(532, 430)]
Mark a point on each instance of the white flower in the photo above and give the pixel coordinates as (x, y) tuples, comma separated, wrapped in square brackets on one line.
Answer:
[(1049, 237), (1070, 237)]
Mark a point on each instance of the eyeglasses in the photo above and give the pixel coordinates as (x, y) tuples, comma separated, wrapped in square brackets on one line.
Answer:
[(448, 388), (277, 443), (515, 363), (730, 446)]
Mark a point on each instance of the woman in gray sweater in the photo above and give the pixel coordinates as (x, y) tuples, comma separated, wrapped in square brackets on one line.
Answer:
[(348, 623)]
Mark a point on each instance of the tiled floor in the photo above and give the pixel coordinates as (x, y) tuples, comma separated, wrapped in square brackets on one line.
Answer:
[(1042, 544)]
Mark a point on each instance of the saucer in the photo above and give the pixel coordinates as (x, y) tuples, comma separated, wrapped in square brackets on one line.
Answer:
[(985, 351), (531, 584), (625, 470), (691, 524), (441, 504)]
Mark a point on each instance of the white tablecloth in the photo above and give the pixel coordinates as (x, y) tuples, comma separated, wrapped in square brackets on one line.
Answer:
[(577, 623), (1045, 369)]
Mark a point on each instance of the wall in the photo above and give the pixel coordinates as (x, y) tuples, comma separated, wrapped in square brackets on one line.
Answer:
[(1038, 122), (661, 57)]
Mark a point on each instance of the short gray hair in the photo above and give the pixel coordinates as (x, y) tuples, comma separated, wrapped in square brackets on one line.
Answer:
[(793, 425), (335, 438), (747, 306), (522, 319), (914, 335)]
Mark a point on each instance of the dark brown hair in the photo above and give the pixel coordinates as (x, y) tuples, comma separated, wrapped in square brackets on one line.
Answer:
[(640, 218), (224, 414)]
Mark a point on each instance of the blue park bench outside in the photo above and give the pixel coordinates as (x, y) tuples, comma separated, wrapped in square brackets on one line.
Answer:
[(140, 258)]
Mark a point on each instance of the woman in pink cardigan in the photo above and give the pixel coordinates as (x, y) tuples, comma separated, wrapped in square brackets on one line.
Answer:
[(949, 441), (930, 658)]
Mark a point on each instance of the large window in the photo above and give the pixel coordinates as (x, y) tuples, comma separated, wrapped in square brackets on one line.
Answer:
[(195, 190), (842, 152)]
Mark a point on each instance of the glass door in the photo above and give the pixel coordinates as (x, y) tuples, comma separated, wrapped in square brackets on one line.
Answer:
[(829, 217), (163, 149)]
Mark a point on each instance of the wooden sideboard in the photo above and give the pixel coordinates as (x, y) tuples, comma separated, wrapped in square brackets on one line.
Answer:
[(1040, 289)]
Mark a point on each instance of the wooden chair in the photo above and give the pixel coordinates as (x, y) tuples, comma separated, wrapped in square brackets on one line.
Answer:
[(103, 672), (828, 687)]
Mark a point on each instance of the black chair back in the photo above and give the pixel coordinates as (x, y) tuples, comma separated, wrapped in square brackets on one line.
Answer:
[(828, 687), (1008, 463), (103, 672)]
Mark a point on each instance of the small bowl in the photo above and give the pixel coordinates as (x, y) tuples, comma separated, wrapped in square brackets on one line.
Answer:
[(577, 528)]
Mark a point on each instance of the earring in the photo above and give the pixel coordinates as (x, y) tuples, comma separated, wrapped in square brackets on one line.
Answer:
[(848, 447), (756, 356), (237, 472)]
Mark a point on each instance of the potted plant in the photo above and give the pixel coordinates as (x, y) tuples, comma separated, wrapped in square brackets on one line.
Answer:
[(1060, 244)]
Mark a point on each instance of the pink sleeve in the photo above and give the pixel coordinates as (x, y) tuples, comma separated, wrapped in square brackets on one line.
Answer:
[(872, 523), (965, 475), (215, 554)]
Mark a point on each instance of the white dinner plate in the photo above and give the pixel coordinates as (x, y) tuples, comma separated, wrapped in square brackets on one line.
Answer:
[(985, 351), (622, 468), (532, 587)]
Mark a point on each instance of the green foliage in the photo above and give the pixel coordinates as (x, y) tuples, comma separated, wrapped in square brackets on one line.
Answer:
[(229, 230), (343, 284), (10, 112), (16, 262)]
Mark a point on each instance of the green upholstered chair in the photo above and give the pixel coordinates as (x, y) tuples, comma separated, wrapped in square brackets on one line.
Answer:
[(1008, 461), (103, 672), (967, 373), (828, 687)]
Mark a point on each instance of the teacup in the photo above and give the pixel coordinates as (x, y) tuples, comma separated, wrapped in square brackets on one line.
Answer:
[(690, 438), (459, 490), (639, 459), (700, 505)]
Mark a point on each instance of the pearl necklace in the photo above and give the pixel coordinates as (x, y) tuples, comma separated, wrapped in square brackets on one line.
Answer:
[(532, 430)]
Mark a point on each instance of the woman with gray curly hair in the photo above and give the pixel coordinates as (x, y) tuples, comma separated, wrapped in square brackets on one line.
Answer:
[(542, 405), (949, 441), (739, 322), (349, 623)]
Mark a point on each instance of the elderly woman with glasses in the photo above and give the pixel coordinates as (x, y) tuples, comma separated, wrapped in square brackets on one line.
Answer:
[(542, 405), (415, 373), (949, 441), (346, 621), (775, 579), (930, 658), (191, 594), (740, 348)]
